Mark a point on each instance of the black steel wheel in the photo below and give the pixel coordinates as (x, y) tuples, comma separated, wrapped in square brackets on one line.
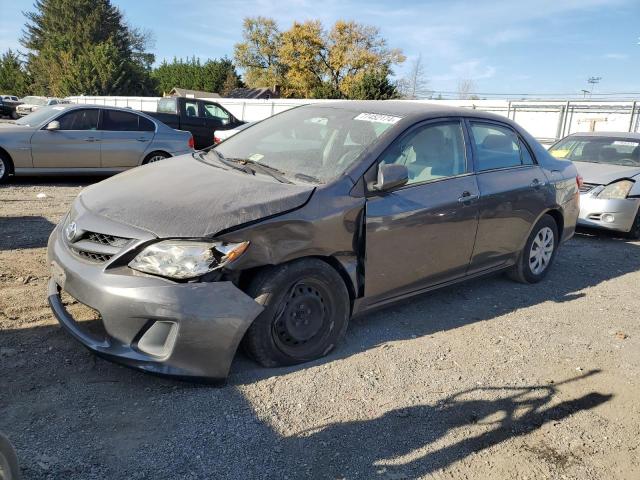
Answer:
[(306, 312)]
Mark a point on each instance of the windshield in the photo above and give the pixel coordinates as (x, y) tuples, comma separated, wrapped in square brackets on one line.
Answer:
[(313, 143), (39, 116), (607, 150), (34, 100)]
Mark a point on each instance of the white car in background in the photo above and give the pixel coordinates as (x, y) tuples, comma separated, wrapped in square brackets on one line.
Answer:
[(32, 103), (221, 135)]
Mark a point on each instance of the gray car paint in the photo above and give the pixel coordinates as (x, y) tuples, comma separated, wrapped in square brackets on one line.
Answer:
[(34, 150), (371, 238)]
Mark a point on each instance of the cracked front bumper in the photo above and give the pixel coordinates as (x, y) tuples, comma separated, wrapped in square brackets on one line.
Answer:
[(150, 323), (616, 215)]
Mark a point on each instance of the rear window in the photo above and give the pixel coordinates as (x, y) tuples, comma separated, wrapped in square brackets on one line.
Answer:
[(168, 105)]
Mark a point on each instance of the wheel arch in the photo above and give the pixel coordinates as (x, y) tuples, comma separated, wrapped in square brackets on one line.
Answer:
[(155, 152)]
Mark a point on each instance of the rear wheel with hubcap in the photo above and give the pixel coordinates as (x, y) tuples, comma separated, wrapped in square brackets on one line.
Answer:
[(155, 157), (306, 312), (538, 253), (5, 168)]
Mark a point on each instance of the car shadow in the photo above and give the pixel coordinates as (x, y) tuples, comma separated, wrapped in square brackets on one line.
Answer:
[(24, 232), (55, 180)]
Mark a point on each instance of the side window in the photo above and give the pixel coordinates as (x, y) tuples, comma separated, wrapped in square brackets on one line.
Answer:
[(80, 120), (430, 152), (496, 147), (146, 125), (213, 111), (191, 109), (117, 121)]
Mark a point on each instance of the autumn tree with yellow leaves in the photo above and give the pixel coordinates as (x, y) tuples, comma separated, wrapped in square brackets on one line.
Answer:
[(349, 61)]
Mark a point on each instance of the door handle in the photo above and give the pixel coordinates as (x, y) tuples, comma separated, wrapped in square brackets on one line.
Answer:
[(142, 139), (536, 183), (91, 139), (468, 197)]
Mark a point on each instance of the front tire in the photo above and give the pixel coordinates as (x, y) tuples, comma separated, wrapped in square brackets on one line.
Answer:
[(9, 469), (634, 233), (539, 252), (5, 168), (306, 313)]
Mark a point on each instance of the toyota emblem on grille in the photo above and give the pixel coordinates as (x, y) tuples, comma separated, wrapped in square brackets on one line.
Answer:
[(71, 231)]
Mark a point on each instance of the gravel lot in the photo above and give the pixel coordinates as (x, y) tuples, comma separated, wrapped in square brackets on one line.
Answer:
[(489, 379)]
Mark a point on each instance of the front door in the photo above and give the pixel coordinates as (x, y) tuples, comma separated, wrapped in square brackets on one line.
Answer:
[(512, 194), (76, 144), (423, 233)]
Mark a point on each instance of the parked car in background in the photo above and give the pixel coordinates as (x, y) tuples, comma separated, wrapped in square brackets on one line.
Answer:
[(279, 235), (221, 135), (8, 106), (200, 117), (610, 166), (30, 104), (85, 139)]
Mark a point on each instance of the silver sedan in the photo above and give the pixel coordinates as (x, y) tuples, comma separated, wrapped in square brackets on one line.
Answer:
[(86, 139), (610, 166)]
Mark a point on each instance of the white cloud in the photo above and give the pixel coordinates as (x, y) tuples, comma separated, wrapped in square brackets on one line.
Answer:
[(616, 56)]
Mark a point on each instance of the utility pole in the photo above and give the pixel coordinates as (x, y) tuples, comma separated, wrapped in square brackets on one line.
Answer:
[(593, 81)]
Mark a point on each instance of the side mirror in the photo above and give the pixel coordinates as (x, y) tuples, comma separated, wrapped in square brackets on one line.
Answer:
[(52, 126), (391, 176)]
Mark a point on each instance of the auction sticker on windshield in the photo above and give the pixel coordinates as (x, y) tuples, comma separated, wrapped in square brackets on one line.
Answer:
[(378, 118)]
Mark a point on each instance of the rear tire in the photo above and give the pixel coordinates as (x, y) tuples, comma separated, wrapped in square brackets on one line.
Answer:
[(539, 252), (306, 313), (155, 157), (634, 233)]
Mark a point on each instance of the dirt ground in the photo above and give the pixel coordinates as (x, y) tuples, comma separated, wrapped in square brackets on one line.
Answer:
[(489, 379)]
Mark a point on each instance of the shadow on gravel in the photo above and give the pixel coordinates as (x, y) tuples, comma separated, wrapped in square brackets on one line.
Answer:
[(516, 412), (24, 232), (55, 181)]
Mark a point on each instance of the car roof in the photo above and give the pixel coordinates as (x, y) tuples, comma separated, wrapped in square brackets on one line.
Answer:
[(627, 135), (414, 110)]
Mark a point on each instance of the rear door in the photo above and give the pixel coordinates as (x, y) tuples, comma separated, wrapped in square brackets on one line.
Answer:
[(125, 138), (423, 233), (75, 145), (512, 193)]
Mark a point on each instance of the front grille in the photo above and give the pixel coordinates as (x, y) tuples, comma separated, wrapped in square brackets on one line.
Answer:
[(103, 239), (98, 247), (587, 187), (94, 257)]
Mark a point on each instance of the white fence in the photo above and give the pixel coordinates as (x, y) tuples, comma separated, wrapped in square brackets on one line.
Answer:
[(545, 120)]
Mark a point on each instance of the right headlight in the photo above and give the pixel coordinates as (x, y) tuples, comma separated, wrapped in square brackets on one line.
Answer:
[(184, 259), (616, 191)]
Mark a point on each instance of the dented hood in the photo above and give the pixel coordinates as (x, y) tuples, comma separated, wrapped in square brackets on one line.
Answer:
[(186, 197)]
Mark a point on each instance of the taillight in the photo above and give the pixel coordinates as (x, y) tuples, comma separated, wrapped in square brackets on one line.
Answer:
[(192, 144), (579, 181), (216, 140)]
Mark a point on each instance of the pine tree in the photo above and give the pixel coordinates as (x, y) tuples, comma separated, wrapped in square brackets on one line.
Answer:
[(13, 78), (85, 47)]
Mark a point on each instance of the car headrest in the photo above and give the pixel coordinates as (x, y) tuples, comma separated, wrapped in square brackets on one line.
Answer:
[(497, 142), (635, 155), (608, 153), (591, 151)]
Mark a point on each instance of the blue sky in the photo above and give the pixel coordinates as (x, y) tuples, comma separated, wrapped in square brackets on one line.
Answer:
[(506, 46)]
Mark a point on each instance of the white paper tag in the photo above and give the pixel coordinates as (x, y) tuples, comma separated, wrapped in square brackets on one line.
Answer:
[(624, 143), (378, 118)]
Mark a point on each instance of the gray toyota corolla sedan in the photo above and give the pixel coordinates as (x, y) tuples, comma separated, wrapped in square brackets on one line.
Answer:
[(610, 165), (85, 139), (279, 235)]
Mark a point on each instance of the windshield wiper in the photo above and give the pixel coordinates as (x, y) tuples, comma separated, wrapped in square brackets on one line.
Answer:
[(221, 159), (307, 178), (273, 172)]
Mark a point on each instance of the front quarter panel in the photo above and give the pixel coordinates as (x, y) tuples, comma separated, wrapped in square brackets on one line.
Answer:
[(17, 143)]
